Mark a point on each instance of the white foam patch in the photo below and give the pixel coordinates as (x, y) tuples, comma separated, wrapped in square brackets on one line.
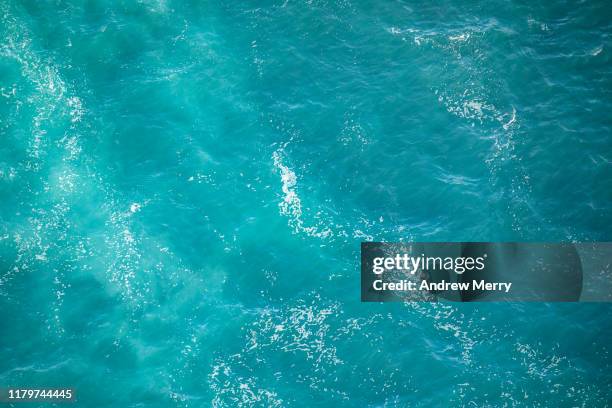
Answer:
[(234, 389), (134, 207), (291, 205), (301, 331), (596, 51)]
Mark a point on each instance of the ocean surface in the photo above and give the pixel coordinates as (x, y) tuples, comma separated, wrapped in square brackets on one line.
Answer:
[(184, 186)]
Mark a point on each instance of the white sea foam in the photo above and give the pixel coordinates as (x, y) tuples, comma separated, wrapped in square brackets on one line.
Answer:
[(291, 205), (234, 389), (596, 51), (459, 37), (134, 207), (511, 121)]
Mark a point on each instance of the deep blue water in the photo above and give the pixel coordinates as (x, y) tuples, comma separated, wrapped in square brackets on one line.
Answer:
[(184, 186)]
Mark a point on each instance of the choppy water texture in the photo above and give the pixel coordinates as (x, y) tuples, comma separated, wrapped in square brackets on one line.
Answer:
[(184, 186)]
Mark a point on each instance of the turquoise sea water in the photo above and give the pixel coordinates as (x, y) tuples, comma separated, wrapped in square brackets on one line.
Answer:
[(184, 186)]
